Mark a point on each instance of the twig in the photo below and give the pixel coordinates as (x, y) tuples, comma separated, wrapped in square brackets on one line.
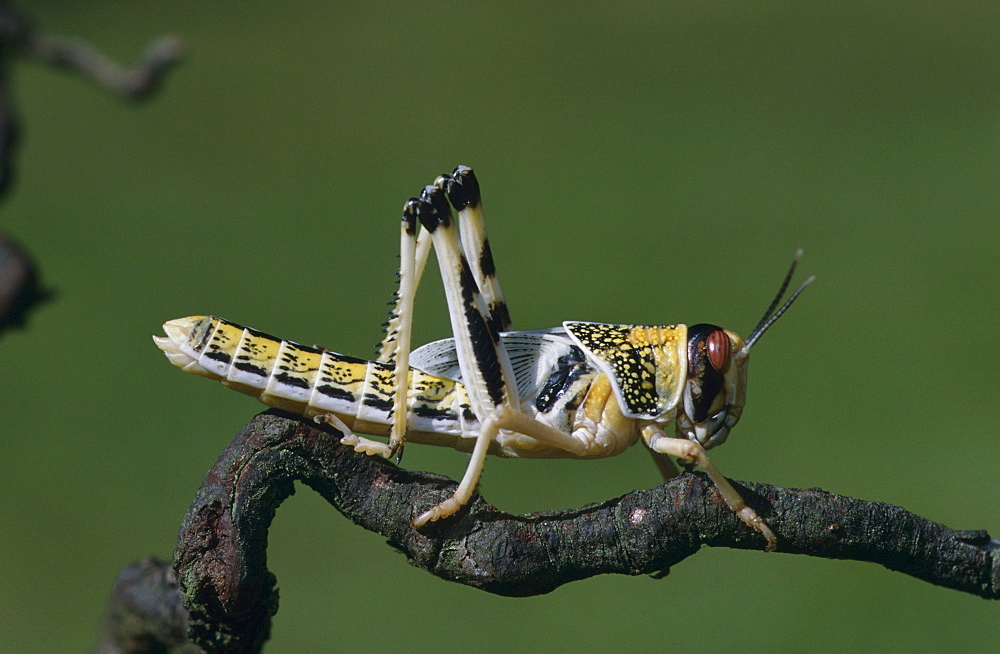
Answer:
[(144, 612), (135, 82), (230, 595), (19, 287), (18, 34)]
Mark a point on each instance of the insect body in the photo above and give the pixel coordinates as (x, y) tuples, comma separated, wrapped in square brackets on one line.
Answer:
[(582, 390)]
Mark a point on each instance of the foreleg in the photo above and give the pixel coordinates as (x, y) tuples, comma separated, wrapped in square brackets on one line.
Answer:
[(693, 451)]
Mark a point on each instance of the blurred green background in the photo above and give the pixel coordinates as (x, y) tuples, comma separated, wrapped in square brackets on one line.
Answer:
[(651, 163)]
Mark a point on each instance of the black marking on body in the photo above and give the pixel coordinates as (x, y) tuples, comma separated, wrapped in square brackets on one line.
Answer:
[(568, 369), (383, 375), (636, 377), (633, 367), (249, 367), (330, 371), (484, 335), (410, 218), (500, 316), (291, 380), (327, 379), (336, 393), (432, 209), (467, 414), (200, 336), (259, 334), (374, 401), (218, 355), (486, 263), (427, 411), (289, 352), (253, 350), (253, 346), (343, 358), (429, 387)]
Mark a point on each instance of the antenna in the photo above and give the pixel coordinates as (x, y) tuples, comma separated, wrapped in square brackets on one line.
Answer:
[(771, 316)]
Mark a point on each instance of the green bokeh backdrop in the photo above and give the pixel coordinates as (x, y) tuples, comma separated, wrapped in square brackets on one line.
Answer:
[(647, 163)]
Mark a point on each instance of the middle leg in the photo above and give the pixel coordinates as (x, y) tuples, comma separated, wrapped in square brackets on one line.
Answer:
[(508, 419), (396, 345)]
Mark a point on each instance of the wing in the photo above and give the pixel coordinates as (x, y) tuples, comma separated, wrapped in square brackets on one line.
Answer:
[(438, 358), (531, 353)]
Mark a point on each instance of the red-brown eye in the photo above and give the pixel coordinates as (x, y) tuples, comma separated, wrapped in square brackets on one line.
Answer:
[(718, 350)]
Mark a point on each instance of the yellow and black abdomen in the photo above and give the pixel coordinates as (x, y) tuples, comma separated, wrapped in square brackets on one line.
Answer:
[(311, 381)]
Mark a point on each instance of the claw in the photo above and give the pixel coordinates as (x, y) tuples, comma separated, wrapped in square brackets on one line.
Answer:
[(359, 443), (750, 517), (442, 510), (396, 450), (369, 447)]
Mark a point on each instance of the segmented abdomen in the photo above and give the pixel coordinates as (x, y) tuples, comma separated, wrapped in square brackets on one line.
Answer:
[(310, 381)]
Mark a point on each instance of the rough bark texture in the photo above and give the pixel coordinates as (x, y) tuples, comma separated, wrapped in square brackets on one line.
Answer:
[(230, 595)]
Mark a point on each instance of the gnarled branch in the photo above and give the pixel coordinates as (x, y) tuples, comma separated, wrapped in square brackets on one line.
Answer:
[(230, 595)]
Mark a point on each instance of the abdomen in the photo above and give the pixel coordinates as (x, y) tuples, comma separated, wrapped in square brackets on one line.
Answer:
[(310, 381)]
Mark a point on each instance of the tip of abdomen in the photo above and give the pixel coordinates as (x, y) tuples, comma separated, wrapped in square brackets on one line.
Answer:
[(175, 343)]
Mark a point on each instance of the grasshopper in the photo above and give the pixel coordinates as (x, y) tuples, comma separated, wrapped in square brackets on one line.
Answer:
[(582, 390)]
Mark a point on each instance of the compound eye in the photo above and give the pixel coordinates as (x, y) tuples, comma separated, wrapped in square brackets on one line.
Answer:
[(719, 350)]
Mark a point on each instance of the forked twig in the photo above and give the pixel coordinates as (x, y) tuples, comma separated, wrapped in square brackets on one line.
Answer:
[(20, 289)]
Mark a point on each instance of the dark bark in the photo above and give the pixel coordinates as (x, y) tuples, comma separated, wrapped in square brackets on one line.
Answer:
[(144, 612), (20, 288), (221, 556)]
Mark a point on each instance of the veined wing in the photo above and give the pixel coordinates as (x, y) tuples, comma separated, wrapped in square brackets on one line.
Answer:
[(532, 354)]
